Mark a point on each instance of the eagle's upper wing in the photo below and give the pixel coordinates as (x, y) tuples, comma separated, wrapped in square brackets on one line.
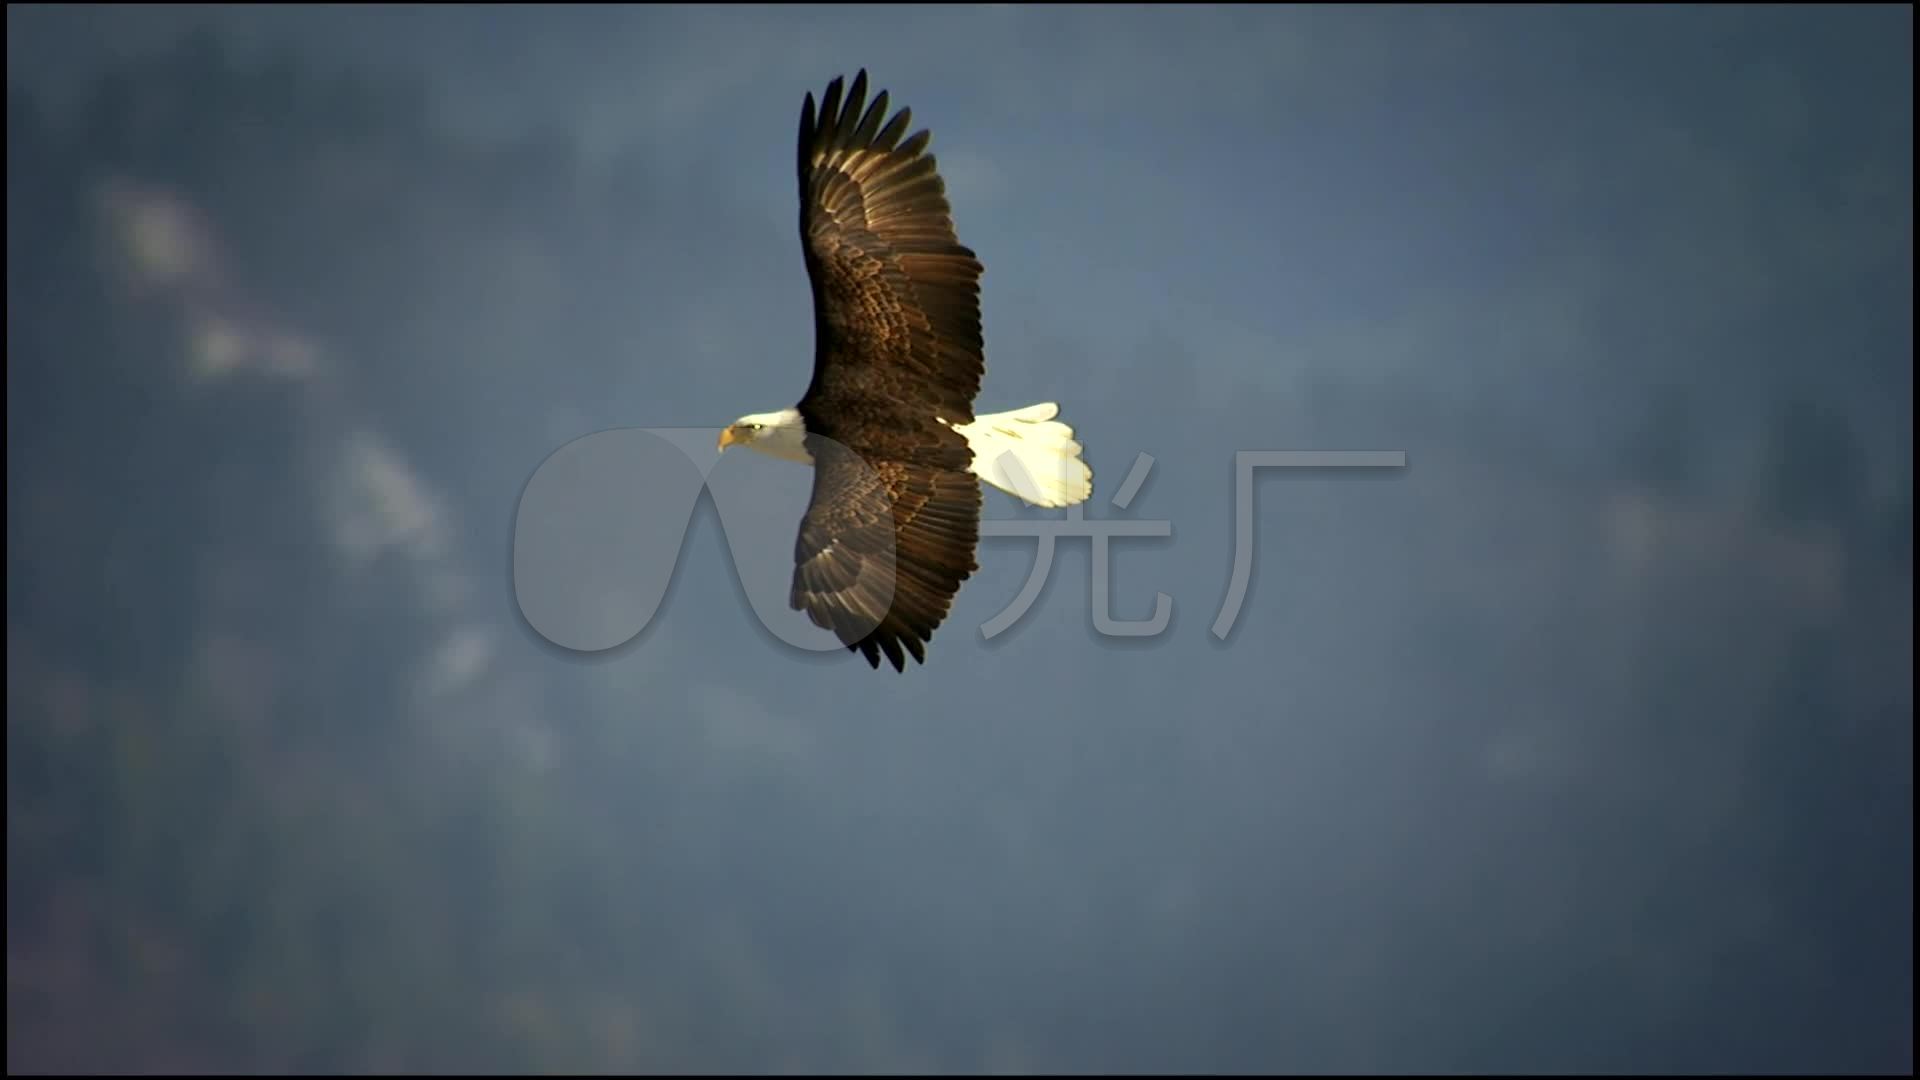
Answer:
[(896, 297), (882, 550)]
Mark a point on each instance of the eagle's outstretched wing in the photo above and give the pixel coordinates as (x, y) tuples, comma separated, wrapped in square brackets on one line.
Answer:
[(896, 297), (883, 549), (890, 534)]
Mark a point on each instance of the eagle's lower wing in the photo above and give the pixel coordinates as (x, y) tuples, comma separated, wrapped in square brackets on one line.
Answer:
[(883, 549), (896, 296)]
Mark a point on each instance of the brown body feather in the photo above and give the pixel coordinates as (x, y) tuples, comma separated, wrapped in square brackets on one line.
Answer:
[(891, 530)]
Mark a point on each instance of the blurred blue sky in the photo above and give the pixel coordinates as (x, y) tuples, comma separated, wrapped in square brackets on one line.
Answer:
[(1481, 779)]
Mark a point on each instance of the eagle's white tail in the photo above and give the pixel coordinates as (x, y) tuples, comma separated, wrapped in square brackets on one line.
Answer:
[(1029, 454)]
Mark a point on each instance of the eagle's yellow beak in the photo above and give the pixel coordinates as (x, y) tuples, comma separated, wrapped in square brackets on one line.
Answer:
[(728, 436)]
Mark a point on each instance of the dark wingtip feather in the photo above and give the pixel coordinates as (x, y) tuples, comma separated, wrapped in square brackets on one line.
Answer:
[(830, 105), (870, 124), (876, 644), (856, 97), (806, 136), (890, 138)]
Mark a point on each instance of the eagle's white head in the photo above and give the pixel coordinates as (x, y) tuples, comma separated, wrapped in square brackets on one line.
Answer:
[(780, 434)]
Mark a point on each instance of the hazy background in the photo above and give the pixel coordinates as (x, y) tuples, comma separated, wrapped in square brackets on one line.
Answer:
[(1584, 743)]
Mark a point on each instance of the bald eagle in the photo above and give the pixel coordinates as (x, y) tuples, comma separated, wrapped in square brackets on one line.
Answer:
[(887, 423)]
